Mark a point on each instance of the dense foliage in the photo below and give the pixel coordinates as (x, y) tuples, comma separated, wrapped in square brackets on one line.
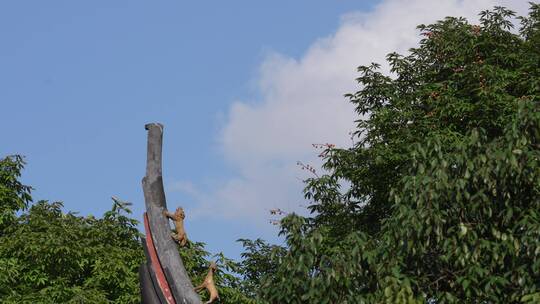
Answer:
[(49, 256), (259, 260), (13, 194), (439, 199)]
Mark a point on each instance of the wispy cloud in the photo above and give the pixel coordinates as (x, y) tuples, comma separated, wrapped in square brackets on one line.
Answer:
[(302, 103)]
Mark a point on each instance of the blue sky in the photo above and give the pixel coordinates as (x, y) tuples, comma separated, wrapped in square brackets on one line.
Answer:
[(243, 88)]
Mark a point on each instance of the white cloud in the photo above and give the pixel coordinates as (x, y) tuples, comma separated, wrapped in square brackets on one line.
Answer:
[(302, 103)]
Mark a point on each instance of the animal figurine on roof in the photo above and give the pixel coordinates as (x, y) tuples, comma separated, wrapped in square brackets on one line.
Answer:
[(209, 284), (178, 217)]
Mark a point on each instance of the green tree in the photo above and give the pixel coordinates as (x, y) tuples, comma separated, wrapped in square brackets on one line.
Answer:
[(48, 256), (13, 195), (439, 199), (259, 259)]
